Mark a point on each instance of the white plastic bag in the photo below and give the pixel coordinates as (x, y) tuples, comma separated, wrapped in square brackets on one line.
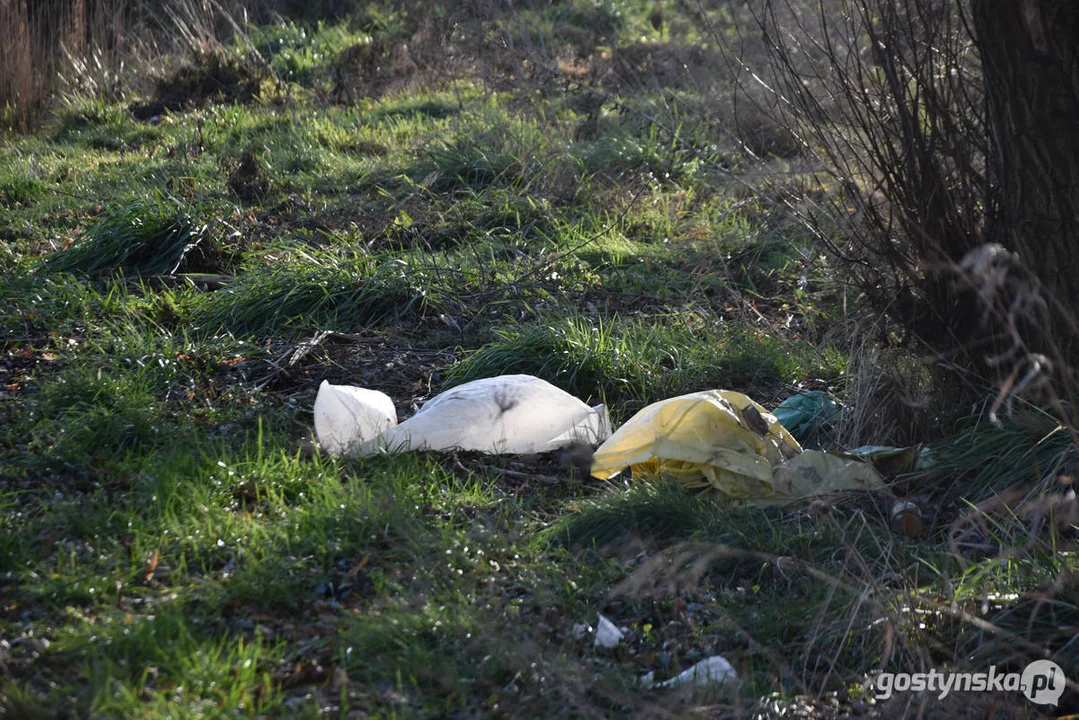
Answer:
[(509, 414), (714, 669), (346, 416), (607, 634)]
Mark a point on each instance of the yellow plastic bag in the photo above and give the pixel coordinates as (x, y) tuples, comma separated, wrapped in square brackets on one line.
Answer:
[(815, 473), (723, 440)]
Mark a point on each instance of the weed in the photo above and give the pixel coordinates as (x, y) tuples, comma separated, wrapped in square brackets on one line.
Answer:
[(659, 511), (467, 165)]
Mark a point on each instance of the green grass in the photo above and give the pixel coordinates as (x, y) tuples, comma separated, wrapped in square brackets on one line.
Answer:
[(315, 290), (174, 293), (144, 239), (631, 364)]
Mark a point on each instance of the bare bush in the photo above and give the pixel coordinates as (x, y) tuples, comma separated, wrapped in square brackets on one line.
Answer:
[(890, 101), (888, 98)]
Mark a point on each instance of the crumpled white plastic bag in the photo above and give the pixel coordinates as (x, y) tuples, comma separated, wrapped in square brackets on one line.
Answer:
[(607, 634), (711, 670), (509, 414), (346, 416)]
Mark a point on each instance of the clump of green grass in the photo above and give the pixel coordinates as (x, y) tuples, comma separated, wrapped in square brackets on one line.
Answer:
[(93, 123), (498, 218), (323, 290), (644, 154), (633, 363), (467, 164), (128, 661), (89, 413), (658, 510), (19, 190), (579, 355), (299, 53), (149, 238), (1027, 449)]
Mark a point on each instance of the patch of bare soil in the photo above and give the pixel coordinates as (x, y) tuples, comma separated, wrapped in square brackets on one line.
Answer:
[(248, 179), (383, 66), (213, 77), (665, 65)]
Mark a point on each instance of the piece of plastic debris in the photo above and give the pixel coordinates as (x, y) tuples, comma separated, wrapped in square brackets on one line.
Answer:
[(805, 414), (509, 414), (712, 670), (722, 440), (814, 473), (894, 460), (346, 416), (607, 634), (701, 439), (579, 630)]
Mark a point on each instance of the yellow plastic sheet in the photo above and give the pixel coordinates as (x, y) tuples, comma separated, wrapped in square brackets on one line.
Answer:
[(723, 440), (821, 473)]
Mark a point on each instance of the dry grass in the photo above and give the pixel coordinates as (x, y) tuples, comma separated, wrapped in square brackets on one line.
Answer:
[(61, 44)]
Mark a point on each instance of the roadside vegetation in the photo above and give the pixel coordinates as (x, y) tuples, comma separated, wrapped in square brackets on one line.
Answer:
[(407, 198)]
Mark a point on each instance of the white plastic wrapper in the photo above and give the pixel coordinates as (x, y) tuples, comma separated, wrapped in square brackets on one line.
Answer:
[(509, 414), (607, 634), (346, 416), (712, 670)]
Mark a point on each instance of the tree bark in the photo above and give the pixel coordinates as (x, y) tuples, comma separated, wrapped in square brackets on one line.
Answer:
[(1030, 62)]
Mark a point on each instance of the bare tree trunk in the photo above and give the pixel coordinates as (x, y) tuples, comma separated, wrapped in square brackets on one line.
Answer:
[(1030, 60)]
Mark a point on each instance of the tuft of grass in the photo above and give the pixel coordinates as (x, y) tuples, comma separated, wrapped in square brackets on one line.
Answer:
[(1030, 449), (658, 510), (577, 354), (141, 661), (97, 415), (304, 54), (467, 164), (20, 191), (633, 363), (324, 290), (144, 239)]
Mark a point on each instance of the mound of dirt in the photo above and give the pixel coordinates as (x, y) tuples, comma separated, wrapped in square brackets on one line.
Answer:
[(213, 77)]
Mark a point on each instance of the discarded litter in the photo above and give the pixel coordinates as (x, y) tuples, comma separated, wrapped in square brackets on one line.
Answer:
[(712, 670), (815, 472), (723, 440), (346, 416), (711, 440), (906, 518), (579, 630), (607, 634), (509, 414), (894, 460), (716, 437), (807, 413)]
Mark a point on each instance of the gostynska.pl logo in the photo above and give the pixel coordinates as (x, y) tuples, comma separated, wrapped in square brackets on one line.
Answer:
[(1042, 682)]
